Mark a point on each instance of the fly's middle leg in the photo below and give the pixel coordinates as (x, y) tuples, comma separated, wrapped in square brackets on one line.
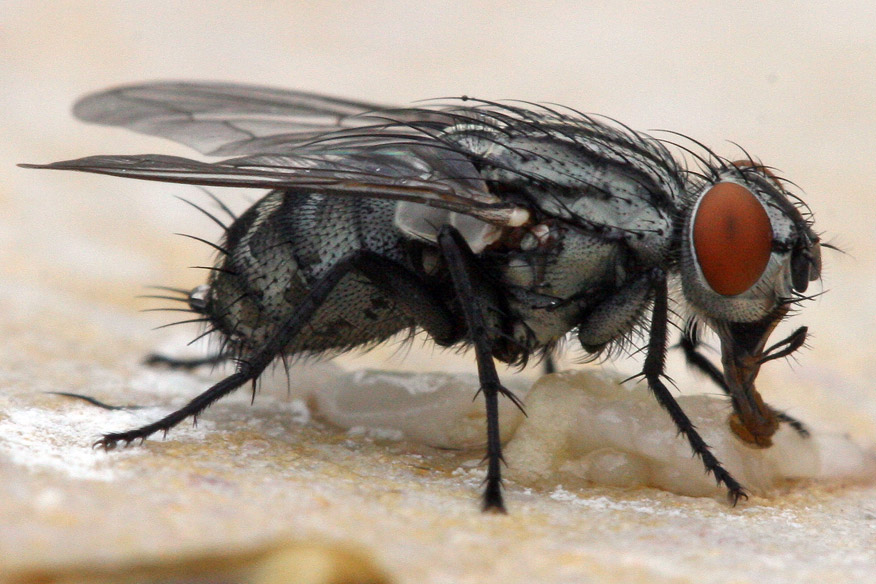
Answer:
[(472, 296)]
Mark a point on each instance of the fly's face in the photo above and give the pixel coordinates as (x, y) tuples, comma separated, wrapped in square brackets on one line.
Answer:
[(747, 255)]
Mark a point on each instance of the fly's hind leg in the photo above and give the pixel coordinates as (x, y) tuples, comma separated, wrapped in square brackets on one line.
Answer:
[(157, 359), (401, 285)]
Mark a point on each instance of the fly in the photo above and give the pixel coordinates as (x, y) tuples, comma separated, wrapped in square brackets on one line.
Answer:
[(501, 227)]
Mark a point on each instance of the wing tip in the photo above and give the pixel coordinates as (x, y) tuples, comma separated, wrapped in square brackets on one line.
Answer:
[(123, 104)]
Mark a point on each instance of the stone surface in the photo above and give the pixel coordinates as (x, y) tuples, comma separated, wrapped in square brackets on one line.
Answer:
[(254, 484), (586, 427)]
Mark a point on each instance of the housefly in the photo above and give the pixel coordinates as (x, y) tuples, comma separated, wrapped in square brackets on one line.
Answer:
[(500, 227)]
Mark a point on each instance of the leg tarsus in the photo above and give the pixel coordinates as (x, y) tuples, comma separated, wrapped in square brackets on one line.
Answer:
[(798, 426), (94, 401), (493, 501), (193, 408), (735, 491)]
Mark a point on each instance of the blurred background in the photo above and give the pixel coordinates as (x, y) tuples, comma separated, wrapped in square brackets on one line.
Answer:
[(792, 82)]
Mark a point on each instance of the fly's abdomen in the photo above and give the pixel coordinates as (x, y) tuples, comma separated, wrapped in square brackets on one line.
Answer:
[(279, 249)]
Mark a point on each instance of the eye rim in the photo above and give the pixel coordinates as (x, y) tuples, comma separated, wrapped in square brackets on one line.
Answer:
[(766, 171), (723, 269)]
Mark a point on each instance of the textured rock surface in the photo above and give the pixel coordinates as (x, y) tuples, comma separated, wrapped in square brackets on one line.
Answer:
[(253, 477), (254, 486)]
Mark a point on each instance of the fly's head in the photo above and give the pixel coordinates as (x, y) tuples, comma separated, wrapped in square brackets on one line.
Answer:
[(747, 256)]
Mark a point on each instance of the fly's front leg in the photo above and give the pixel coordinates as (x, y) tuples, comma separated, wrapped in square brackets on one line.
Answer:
[(689, 343), (472, 295), (653, 371), (617, 313)]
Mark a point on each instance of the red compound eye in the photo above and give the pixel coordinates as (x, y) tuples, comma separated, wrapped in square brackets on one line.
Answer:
[(732, 238)]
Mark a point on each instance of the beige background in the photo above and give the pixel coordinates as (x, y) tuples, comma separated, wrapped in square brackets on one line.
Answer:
[(792, 82)]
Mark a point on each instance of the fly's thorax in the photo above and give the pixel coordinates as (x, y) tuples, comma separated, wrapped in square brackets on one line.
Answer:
[(582, 261), (612, 183), (745, 248), (632, 216), (551, 287)]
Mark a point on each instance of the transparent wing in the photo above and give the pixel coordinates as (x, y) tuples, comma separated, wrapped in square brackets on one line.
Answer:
[(224, 119), (300, 141), (414, 173)]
